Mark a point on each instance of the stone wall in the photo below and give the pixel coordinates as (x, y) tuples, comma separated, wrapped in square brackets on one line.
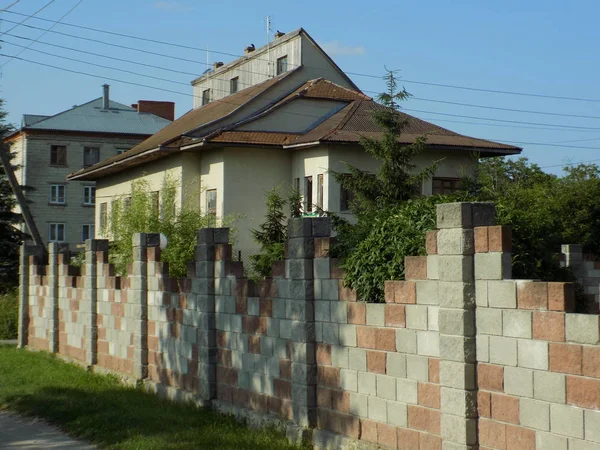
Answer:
[(458, 356), (587, 270)]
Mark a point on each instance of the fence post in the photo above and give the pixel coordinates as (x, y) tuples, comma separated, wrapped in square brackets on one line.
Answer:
[(25, 253), (89, 304), (54, 250)]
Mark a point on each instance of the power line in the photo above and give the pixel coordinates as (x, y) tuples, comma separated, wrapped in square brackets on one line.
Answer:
[(42, 35), (544, 144), (26, 18), (431, 119), (570, 164)]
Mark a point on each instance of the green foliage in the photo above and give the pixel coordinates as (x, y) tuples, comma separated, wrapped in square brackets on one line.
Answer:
[(295, 203), (9, 314), (271, 234), (137, 213)]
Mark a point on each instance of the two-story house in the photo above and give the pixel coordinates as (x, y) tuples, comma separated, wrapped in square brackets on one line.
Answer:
[(47, 148)]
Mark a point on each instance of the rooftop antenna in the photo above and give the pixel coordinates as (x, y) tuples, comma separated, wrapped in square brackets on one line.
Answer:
[(269, 45)]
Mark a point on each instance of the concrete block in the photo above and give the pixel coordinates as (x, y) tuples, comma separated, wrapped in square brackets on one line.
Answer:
[(253, 306), (433, 272), (458, 402), (483, 348), (454, 215), (547, 441), (457, 348), (455, 268), (359, 404), (299, 269), (377, 409), (322, 311), (549, 386), (575, 444), (534, 414), (339, 356), (481, 293), (592, 425), (533, 354), (386, 387), (503, 351), (566, 421), (517, 323), (433, 318), (459, 429), (459, 322), (396, 365), (357, 359), (428, 343), (339, 312), (347, 335), (417, 367), (489, 321), (427, 292), (349, 380), (407, 391), (367, 383), (322, 268), (502, 294), (582, 328), (326, 289), (416, 317), (518, 381), (397, 414), (299, 227), (493, 266), (375, 314), (455, 241), (406, 341), (456, 295), (331, 334), (279, 308)]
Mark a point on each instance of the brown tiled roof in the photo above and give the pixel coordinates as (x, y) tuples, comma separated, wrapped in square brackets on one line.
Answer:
[(255, 138), (324, 89)]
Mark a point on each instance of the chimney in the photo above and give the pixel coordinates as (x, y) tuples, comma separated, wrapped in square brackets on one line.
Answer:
[(166, 110), (279, 34), (217, 65), (249, 49), (106, 96), (134, 105)]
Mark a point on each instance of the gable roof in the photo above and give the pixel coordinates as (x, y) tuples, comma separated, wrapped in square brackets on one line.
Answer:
[(91, 117), (345, 125)]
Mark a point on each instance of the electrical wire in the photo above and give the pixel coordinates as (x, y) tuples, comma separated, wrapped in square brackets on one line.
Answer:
[(26, 18)]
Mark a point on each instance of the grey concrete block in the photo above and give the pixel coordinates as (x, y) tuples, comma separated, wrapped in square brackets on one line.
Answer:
[(458, 402), (566, 421), (417, 367), (386, 387), (406, 341), (455, 241), (407, 391), (357, 359), (331, 334), (359, 404), (576, 444), (377, 409), (457, 348), (375, 314), (339, 312), (549, 386), (481, 293), (592, 425), (533, 354), (459, 429), (489, 321), (396, 364), (433, 318), (300, 248), (416, 317), (279, 308), (339, 356), (253, 306), (428, 343), (301, 289), (456, 295), (326, 289), (433, 267), (518, 381), (322, 268), (503, 351), (517, 323), (347, 335), (493, 266), (459, 322), (349, 380), (397, 414), (547, 441), (299, 269), (454, 215), (483, 348), (534, 414), (455, 268), (299, 310), (299, 227), (321, 226), (367, 383), (322, 311), (582, 328), (457, 375)]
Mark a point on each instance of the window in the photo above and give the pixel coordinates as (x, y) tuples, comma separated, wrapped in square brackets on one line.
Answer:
[(233, 85), (121, 150), (91, 155), (58, 155), (89, 195), (103, 215), (445, 185), (87, 232), (154, 202), (205, 97), (56, 232), (211, 204), (282, 65), (308, 187), (346, 199), (57, 194), (320, 191)]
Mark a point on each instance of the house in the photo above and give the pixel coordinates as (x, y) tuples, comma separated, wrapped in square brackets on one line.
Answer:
[(284, 131), (48, 148)]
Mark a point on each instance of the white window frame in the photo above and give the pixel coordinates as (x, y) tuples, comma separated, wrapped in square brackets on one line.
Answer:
[(86, 196), (53, 228), (280, 67), (234, 82), (206, 96), (55, 198), (91, 231)]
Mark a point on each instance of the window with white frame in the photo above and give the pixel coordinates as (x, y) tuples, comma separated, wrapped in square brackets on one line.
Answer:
[(87, 232), (205, 97), (282, 65), (89, 195), (233, 85), (57, 194), (91, 156), (56, 232)]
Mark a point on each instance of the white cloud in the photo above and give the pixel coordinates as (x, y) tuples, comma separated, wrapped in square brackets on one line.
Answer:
[(173, 6), (334, 48)]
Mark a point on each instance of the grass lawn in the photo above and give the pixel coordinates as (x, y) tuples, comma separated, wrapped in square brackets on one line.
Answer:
[(102, 411)]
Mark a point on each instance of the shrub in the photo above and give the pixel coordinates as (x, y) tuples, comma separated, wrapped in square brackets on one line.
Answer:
[(9, 315)]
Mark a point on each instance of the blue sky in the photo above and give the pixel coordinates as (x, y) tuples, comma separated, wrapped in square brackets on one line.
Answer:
[(541, 47)]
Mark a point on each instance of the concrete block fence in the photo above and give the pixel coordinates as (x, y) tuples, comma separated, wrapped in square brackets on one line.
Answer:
[(459, 356)]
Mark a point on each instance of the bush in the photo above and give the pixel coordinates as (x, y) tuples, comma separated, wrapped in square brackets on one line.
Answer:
[(9, 315)]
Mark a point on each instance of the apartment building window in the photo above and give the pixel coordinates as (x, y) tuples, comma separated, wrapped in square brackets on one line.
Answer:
[(89, 195), (103, 215), (121, 150), (58, 155), (282, 65), (346, 199), (87, 232), (308, 198), (91, 156), (56, 232), (205, 97), (445, 185), (320, 191), (233, 85), (57, 194)]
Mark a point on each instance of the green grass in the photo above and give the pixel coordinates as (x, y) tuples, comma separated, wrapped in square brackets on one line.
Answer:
[(9, 315), (99, 409)]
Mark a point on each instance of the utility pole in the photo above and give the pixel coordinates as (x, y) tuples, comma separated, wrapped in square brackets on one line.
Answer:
[(12, 180)]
